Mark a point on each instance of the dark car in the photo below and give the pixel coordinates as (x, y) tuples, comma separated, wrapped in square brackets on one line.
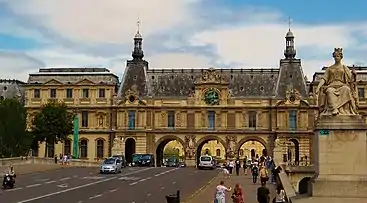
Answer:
[(122, 159), (172, 162), (143, 160)]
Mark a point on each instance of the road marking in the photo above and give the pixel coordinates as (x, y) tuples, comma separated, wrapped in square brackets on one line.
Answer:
[(42, 180), (162, 188), (92, 177), (114, 190), (79, 187), (63, 179), (95, 196), (63, 185), (156, 175), (35, 185), (15, 189), (148, 195), (174, 182), (75, 176), (49, 182)]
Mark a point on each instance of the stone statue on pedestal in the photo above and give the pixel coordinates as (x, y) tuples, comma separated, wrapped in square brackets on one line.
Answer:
[(337, 90)]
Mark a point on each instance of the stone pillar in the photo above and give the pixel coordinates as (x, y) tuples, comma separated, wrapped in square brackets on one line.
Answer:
[(340, 157)]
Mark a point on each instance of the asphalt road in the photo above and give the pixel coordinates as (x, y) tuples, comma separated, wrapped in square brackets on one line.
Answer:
[(79, 185)]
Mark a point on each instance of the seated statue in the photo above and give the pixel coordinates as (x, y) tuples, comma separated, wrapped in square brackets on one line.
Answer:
[(337, 90)]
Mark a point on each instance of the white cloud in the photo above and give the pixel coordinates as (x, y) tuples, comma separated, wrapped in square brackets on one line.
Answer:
[(178, 61), (95, 21), (17, 65)]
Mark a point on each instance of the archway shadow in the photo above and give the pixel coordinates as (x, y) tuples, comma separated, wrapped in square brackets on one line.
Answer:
[(159, 153), (130, 148), (296, 149), (205, 140), (251, 152), (304, 186)]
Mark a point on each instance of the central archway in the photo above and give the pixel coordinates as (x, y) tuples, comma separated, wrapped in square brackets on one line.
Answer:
[(252, 147), (211, 145), (130, 147), (169, 146)]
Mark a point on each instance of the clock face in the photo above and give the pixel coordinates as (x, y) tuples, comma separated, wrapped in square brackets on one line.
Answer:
[(211, 97), (131, 98)]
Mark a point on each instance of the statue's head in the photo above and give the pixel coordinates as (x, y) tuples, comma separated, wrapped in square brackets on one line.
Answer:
[(338, 54)]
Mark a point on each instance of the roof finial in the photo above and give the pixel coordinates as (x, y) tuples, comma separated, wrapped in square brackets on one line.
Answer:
[(289, 23), (138, 24)]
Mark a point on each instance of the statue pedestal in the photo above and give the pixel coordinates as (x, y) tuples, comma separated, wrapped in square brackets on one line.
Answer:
[(117, 151), (190, 162), (340, 157)]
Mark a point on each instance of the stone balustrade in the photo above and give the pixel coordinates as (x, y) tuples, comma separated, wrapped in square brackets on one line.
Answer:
[(38, 160)]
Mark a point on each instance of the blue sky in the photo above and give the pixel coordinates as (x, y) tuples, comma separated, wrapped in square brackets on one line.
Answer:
[(202, 33)]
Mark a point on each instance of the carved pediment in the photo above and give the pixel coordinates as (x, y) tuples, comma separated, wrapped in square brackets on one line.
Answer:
[(53, 82), (85, 81), (132, 94), (292, 96), (210, 76)]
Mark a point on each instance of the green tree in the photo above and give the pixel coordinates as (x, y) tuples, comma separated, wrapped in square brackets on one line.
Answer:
[(52, 124), (170, 152), (15, 140)]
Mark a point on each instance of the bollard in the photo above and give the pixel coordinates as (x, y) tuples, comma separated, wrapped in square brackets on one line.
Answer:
[(173, 198)]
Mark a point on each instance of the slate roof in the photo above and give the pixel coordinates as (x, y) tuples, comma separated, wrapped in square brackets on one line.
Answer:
[(73, 75), (12, 89)]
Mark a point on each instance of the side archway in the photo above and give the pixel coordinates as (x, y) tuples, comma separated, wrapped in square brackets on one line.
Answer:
[(130, 148), (304, 185), (252, 152), (160, 145), (293, 149), (204, 140)]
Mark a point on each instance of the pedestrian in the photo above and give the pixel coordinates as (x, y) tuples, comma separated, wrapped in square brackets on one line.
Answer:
[(230, 166), (255, 173), (276, 172), (280, 196), (245, 165), (237, 195), (263, 194), (238, 166), (220, 193), (263, 175)]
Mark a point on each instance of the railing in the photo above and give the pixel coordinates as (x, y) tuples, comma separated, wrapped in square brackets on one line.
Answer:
[(286, 184), (39, 160)]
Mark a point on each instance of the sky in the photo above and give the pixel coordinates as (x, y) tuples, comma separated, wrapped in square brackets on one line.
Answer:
[(177, 33)]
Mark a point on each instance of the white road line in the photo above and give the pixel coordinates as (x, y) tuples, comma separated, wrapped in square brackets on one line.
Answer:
[(114, 190), (35, 185), (79, 187), (156, 175), (15, 189), (95, 196), (63, 179), (49, 182)]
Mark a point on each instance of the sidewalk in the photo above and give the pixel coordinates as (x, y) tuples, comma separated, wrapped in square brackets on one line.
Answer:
[(250, 189), (33, 168)]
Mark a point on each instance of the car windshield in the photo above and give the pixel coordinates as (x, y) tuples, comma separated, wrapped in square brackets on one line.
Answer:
[(136, 157), (145, 157), (109, 161), (171, 160), (205, 158)]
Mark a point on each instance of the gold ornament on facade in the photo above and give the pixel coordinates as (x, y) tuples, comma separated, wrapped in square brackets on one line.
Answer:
[(210, 76), (178, 119), (337, 91), (132, 94)]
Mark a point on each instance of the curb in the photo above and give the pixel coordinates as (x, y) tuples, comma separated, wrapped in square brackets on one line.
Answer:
[(200, 190)]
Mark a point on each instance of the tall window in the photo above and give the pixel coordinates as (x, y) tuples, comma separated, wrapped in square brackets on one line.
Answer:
[(84, 119), (292, 120), (217, 152), (69, 93), (361, 93), (67, 147), (252, 119), (50, 150), (37, 93), (85, 93), (131, 120), (83, 149), (102, 93), (53, 93), (100, 149), (211, 119), (171, 119)]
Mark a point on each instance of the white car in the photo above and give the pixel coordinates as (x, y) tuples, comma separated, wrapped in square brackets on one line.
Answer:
[(111, 165), (206, 162)]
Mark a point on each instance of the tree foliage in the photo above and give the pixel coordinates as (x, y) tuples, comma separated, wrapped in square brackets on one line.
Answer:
[(15, 140), (52, 124), (171, 152)]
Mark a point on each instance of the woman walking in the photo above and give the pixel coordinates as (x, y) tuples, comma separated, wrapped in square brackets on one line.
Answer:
[(237, 195), (220, 193)]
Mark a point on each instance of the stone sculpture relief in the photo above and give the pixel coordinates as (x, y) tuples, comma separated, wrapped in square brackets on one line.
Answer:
[(178, 119), (231, 145), (190, 141), (100, 120), (218, 121), (337, 90), (117, 142), (203, 119), (210, 76), (163, 119)]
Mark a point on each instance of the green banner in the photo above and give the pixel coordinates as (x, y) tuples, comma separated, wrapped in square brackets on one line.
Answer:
[(76, 137)]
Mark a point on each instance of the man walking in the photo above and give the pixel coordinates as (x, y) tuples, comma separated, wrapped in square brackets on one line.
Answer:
[(263, 194)]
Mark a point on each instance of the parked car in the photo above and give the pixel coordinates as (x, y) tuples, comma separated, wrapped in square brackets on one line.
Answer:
[(122, 159), (111, 165), (172, 162), (206, 162), (143, 160)]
